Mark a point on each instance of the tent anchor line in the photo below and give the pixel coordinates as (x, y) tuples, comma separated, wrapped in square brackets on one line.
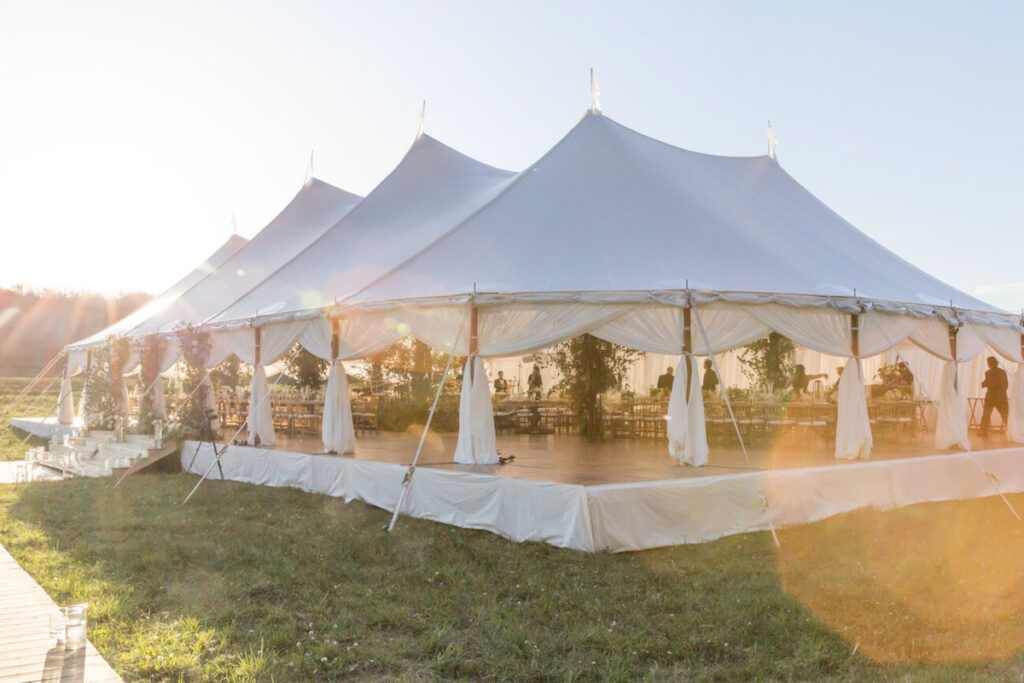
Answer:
[(13, 404), (217, 454), (974, 457), (407, 480)]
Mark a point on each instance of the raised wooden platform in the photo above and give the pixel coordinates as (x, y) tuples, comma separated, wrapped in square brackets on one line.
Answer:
[(623, 495)]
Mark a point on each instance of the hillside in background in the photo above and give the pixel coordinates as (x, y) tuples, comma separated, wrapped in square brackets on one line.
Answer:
[(34, 326)]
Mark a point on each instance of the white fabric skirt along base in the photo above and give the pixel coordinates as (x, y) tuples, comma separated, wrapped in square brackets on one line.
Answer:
[(633, 516)]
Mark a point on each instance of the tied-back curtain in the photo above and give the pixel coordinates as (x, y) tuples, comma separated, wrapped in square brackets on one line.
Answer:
[(65, 402), (261, 419), (659, 329), (822, 329), (275, 340), (880, 331), (687, 436), (132, 364), (1004, 340), (951, 423), (477, 442), (159, 401), (220, 349), (853, 426), (443, 327), (1015, 423), (337, 429), (123, 390), (171, 354), (515, 328)]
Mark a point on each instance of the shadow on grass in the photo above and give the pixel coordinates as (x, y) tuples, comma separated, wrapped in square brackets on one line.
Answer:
[(249, 581)]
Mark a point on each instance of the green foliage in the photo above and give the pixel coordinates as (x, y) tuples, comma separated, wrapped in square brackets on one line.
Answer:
[(589, 367), (232, 373), (195, 349), (411, 370), (768, 362), (306, 370)]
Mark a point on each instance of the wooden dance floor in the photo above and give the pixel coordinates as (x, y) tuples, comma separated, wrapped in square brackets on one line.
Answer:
[(570, 459)]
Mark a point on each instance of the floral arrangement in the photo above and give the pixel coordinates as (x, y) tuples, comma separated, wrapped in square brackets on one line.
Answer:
[(99, 411), (151, 352)]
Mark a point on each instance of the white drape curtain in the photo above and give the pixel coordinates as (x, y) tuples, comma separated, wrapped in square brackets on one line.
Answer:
[(477, 442), (520, 328), (853, 426), (1015, 424), (659, 329), (219, 350), (261, 418), (443, 327), (338, 431), (932, 335), (77, 361), (1004, 340), (687, 437), (951, 424), (65, 401)]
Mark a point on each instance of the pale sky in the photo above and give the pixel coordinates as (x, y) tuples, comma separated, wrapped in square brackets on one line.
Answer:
[(130, 132)]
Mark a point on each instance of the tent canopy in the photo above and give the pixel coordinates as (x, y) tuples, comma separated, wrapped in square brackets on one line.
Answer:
[(316, 207), (431, 189), (611, 210), (159, 303)]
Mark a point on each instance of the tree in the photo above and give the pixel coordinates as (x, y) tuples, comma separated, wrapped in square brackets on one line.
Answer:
[(589, 367), (307, 370), (768, 362)]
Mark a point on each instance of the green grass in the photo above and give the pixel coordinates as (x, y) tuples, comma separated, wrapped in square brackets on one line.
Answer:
[(248, 583)]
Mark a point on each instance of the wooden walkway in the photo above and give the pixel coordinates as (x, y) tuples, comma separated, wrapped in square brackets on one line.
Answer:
[(27, 653)]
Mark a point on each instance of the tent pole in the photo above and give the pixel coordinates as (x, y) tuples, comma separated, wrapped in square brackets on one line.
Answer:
[(216, 455), (407, 481), (688, 346), (472, 343)]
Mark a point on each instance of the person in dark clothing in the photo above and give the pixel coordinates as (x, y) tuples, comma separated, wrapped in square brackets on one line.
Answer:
[(801, 379), (666, 380), (995, 394), (535, 383), (501, 384), (710, 382)]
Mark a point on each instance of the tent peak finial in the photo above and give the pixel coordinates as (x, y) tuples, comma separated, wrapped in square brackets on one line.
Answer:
[(234, 223), (595, 94), (309, 168), (772, 141), (423, 116)]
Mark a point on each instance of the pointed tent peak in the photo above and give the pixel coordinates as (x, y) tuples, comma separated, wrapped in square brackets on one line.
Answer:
[(595, 94), (309, 169), (234, 223), (772, 141), (423, 117)]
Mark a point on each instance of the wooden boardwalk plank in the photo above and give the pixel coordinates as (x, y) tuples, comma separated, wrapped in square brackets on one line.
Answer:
[(27, 653)]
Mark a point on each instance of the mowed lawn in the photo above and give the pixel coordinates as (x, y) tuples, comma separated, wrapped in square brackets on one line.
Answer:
[(247, 582)]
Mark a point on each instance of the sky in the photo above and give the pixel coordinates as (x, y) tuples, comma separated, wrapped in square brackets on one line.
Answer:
[(130, 133)]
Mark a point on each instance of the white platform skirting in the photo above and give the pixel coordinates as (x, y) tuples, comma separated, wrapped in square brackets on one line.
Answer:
[(635, 516), (42, 428)]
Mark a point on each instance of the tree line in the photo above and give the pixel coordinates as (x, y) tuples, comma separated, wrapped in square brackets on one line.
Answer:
[(36, 325)]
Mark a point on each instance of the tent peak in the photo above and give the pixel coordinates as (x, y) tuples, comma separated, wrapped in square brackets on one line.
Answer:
[(595, 94), (423, 116)]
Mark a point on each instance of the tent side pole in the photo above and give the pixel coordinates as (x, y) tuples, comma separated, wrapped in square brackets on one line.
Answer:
[(256, 363)]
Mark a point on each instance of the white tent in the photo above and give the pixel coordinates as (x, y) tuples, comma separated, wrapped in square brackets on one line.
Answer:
[(315, 208)]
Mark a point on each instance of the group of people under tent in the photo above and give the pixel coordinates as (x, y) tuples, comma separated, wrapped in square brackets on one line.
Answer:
[(995, 384), (534, 383)]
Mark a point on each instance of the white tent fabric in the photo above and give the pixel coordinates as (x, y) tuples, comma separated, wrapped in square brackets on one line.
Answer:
[(853, 426), (1015, 426), (338, 431), (587, 214), (66, 401), (261, 419), (951, 426), (477, 444), (432, 189), (77, 361), (162, 301), (312, 211), (659, 329), (687, 438)]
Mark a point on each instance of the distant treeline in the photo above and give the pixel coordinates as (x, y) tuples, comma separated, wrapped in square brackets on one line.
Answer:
[(35, 326)]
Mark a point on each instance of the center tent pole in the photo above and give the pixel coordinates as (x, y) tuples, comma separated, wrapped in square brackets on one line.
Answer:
[(407, 481)]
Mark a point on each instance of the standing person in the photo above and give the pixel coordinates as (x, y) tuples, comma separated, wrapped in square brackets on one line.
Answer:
[(501, 384), (801, 379), (665, 381), (995, 394), (535, 383), (710, 382)]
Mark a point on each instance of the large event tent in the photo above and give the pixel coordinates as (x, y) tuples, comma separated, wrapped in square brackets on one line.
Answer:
[(612, 233)]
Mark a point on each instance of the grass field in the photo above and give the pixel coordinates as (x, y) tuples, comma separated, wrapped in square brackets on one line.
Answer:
[(250, 583)]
